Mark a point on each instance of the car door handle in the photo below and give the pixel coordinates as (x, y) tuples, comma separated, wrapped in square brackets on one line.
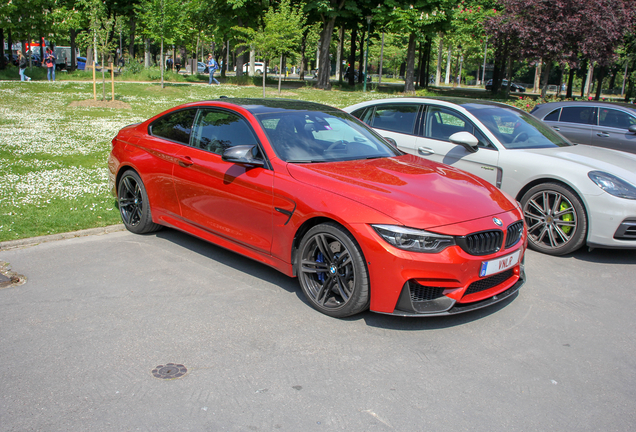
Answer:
[(603, 134), (425, 150), (184, 161), (556, 128)]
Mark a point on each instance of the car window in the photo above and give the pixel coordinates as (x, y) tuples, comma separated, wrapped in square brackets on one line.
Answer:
[(309, 136), (395, 117), (516, 129), (365, 114), (218, 130), (553, 116), (441, 123), (579, 114), (609, 117), (175, 126)]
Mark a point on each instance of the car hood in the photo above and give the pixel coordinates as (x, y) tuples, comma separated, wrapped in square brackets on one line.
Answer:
[(615, 162), (415, 192)]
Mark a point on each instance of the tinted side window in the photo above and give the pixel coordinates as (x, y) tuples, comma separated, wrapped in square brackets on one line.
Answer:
[(441, 123), (584, 115), (396, 117), (553, 116), (614, 118), (175, 126), (217, 131)]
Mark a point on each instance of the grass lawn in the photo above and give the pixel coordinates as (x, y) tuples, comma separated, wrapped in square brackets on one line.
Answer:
[(53, 174)]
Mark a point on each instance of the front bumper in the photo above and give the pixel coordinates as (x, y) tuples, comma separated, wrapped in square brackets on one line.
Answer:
[(449, 282), (611, 222)]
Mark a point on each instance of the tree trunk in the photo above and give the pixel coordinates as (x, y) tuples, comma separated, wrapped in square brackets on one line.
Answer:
[(440, 54), (588, 79), (147, 53), (448, 66), (161, 62), (420, 60), (546, 75), (2, 61), (303, 59), (240, 58), (265, 62), (568, 93), (339, 53), (131, 43), (252, 62), (103, 79), (280, 72), (409, 85), (361, 59), (599, 86), (73, 35), (325, 43), (381, 60), (429, 45), (352, 57)]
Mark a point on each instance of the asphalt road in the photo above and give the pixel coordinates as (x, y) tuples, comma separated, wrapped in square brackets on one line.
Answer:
[(80, 339)]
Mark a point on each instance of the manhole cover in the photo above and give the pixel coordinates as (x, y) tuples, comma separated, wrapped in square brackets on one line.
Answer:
[(169, 371)]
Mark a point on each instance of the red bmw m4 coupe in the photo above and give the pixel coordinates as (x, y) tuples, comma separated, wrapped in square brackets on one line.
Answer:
[(316, 194)]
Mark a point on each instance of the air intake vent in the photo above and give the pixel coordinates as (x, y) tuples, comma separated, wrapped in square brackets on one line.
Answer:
[(489, 282), (513, 234), (481, 243)]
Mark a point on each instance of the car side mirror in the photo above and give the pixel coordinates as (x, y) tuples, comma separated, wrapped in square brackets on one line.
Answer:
[(465, 139), (244, 155), (391, 141), (632, 129)]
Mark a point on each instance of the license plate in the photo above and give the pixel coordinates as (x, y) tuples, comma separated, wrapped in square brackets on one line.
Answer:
[(500, 264)]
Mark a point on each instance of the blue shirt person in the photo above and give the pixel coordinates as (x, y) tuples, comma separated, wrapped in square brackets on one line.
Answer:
[(212, 67)]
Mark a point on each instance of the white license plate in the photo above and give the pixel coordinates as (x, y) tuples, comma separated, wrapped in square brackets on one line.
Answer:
[(500, 264)]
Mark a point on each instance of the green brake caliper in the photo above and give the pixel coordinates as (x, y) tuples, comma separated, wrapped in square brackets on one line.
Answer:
[(566, 217)]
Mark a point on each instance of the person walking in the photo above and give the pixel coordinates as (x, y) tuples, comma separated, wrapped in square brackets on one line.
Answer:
[(212, 67), (22, 64), (49, 61)]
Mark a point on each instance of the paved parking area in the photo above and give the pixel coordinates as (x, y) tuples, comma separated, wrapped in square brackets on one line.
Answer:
[(80, 338)]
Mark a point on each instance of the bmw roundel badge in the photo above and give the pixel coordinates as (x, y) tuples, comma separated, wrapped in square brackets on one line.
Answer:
[(497, 221)]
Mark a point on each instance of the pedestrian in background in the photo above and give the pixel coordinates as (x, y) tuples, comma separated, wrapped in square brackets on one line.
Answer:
[(22, 64), (212, 67), (49, 61)]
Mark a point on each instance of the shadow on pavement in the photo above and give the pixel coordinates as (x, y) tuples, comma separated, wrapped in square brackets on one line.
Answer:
[(268, 274)]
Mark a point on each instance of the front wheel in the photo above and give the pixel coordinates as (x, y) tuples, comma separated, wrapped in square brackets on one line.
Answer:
[(332, 271), (133, 204), (555, 217)]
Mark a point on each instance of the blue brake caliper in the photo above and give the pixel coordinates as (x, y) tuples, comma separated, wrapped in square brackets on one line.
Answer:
[(321, 259)]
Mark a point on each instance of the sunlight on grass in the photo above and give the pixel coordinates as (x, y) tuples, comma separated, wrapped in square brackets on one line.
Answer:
[(53, 174)]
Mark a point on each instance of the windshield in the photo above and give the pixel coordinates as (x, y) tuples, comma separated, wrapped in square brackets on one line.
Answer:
[(516, 129), (311, 136)]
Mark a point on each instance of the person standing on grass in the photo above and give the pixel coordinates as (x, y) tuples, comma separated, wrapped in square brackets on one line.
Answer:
[(49, 61), (22, 64), (212, 67)]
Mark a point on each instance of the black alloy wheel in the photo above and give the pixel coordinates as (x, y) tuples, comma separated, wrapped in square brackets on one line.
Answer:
[(555, 217), (332, 271), (133, 204)]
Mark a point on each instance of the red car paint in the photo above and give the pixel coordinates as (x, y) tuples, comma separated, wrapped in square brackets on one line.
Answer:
[(233, 206)]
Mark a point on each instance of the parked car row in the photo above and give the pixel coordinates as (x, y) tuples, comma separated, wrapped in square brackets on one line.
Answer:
[(424, 207)]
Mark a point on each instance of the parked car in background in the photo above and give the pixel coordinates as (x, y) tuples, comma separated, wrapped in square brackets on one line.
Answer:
[(258, 68), (202, 68), (504, 85), (63, 56), (601, 124), (312, 192), (571, 195)]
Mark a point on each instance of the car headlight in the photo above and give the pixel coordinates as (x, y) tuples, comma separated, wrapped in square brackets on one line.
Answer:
[(414, 240), (613, 185)]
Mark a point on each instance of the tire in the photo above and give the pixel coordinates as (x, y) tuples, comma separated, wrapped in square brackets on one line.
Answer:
[(133, 204), (332, 271), (555, 217)]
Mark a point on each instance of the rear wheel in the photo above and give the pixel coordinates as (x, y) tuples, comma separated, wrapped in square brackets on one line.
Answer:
[(133, 204), (555, 217), (332, 271)]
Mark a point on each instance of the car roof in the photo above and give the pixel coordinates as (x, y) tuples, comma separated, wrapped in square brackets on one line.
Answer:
[(262, 106), (553, 105), (463, 102)]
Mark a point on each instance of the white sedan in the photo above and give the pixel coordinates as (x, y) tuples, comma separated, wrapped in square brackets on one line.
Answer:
[(571, 194)]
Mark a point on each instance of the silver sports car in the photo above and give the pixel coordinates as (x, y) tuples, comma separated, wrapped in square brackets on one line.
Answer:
[(571, 194)]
